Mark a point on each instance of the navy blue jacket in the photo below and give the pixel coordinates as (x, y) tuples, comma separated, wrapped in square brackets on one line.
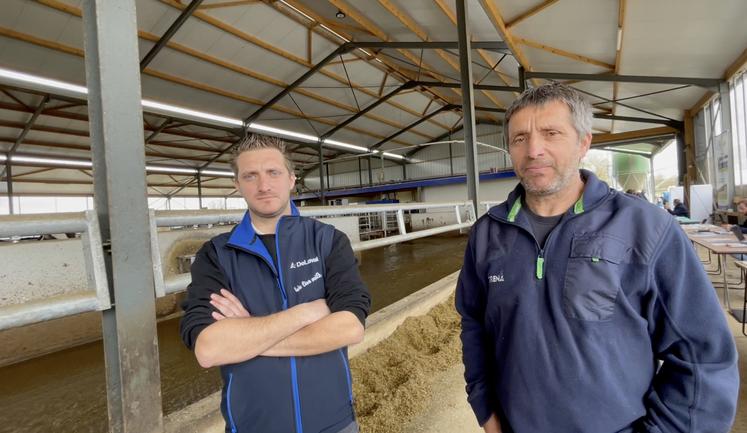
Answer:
[(568, 338), (310, 394)]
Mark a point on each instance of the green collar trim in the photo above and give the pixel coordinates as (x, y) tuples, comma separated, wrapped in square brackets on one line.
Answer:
[(579, 206), (514, 210)]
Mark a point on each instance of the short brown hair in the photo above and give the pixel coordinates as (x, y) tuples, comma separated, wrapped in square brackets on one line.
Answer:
[(256, 142), (579, 107)]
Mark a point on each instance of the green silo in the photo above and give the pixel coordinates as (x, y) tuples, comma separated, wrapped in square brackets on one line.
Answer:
[(630, 171)]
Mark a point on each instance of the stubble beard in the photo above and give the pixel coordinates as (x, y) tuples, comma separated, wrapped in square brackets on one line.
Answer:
[(272, 214), (561, 181)]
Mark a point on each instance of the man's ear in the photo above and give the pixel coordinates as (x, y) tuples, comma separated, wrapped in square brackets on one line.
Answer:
[(585, 144)]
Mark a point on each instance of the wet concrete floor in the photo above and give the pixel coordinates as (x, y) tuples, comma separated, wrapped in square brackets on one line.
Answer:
[(66, 391)]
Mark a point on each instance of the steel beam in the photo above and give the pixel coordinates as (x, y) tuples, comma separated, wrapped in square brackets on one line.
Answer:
[(673, 123), (175, 26), (708, 83), (446, 134), (412, 125), (441, 45), (158, 130), (468, 109), (351, 119), (640, 110), (474, 86), (342, 49), (25, 131), (490, 109), (116, 125)]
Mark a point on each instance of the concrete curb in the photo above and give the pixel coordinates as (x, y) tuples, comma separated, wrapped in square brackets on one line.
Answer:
[(204, 416)]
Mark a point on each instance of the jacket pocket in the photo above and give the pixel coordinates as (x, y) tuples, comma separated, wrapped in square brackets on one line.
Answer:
[(592, 278)]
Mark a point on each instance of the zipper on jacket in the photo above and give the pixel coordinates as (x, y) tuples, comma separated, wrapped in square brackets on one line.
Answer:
[(228, 403), (294, 370), (540, 271), (347, 375)]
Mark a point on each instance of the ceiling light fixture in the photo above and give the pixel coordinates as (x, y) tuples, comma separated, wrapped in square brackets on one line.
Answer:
[(345, 145), (162, 169), (220, 173), (280, 131), (340, 14)]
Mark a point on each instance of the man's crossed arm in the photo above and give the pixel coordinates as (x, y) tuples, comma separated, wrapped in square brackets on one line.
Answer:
[(302, 330)]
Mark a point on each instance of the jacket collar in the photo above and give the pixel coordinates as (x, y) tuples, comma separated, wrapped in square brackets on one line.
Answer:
[(244, 235), (595, 190)]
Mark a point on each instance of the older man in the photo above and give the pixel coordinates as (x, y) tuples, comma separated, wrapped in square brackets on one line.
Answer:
[(585, 309), (275, 303)]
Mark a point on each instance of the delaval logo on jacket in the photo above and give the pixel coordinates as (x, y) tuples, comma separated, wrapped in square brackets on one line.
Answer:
[(309, 394)]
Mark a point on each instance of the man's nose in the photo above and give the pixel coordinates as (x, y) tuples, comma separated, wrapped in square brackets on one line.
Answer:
[(535, 146), (262, 183)]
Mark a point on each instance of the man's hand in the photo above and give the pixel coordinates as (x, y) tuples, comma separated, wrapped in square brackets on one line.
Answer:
[(492, 425), (227, 305), (246, 336)]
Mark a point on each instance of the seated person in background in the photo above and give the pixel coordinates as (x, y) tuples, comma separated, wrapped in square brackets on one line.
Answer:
[(680, 209), (742, 209)]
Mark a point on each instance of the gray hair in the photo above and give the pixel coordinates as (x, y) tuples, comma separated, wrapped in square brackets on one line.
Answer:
[(257, 142), (579, 107)]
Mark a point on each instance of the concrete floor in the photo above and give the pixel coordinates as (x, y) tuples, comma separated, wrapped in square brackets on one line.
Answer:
[(449, 411)]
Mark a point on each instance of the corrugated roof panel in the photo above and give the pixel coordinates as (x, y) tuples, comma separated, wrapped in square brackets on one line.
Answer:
[(32, 59), (154, 17), (183, 66), (544, 61), (35, 13), (592, 33), (171, 93), (655, 43), (267, 24)]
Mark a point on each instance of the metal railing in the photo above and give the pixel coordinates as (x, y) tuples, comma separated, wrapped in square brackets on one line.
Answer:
[(97, 297)]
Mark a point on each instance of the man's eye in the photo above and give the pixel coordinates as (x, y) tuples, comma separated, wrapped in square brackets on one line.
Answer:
[(518, 140)]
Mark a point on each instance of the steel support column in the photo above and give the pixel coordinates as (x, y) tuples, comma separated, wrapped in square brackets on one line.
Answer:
[(370, 172), (468, 109), (360, 173), (9, 182), (199, 190), (451, 158), (321, 173), (116, 129), (723, 90), (652, 179), (682, 165)]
